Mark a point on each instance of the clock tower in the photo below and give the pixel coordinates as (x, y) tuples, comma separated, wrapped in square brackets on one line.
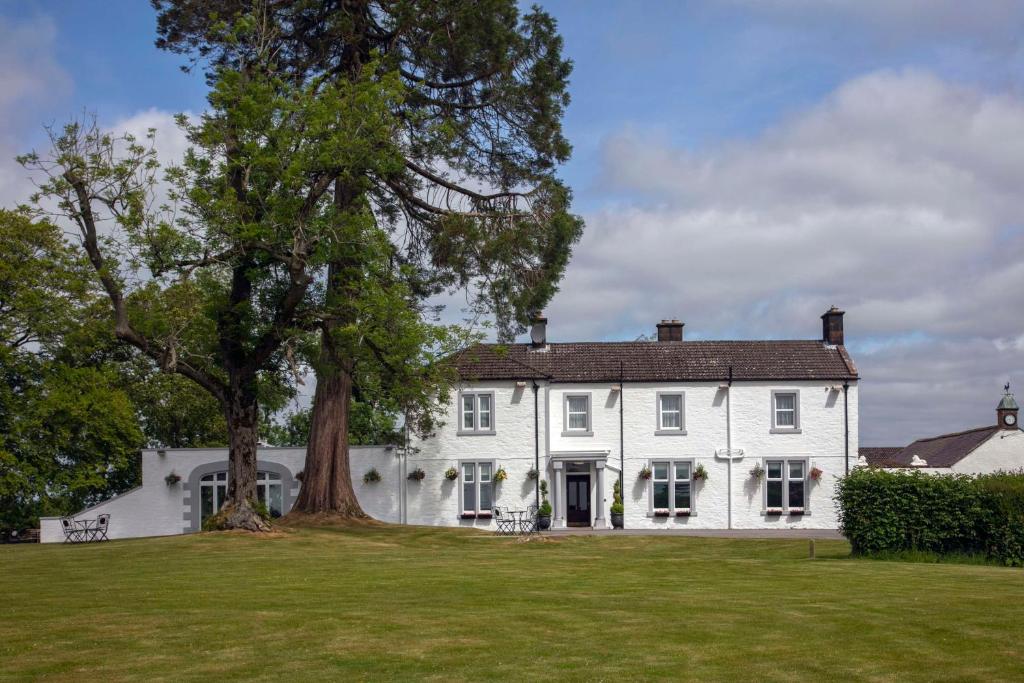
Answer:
[(1006, 411)]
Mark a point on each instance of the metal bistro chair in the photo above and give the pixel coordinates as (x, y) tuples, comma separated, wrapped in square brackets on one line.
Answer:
[(528, 522), (99, 531), (506, 522), (72, 532)]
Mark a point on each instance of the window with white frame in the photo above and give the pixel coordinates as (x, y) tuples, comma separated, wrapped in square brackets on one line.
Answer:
[(213, 494), (785, 410), (670, 412), (477, 412), (785, 485), (577, 413), (269, 492), (671, 486), (477, 488)]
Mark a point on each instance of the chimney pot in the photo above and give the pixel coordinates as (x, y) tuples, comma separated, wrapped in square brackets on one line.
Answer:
[(670, 330), (832, 326)]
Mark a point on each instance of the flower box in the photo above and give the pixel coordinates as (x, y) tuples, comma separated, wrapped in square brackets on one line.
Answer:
[(661, 513), (468, 515), (683, 512), (483, 515), (773, 511), (796, 511)]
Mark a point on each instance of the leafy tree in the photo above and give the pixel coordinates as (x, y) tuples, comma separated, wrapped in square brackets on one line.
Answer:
[(231, 271), (468, 198), (68, 434)]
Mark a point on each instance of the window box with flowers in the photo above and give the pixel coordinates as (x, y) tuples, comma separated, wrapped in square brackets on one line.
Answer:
[(682, 512), (662, 512)]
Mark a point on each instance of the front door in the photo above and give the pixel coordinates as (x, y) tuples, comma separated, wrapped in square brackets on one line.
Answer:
[(577, 500)]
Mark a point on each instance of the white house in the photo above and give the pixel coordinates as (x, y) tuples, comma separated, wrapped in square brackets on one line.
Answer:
[(981, 450), (658, 414)]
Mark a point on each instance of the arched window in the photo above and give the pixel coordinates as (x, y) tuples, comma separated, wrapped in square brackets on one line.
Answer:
[(213, 493)]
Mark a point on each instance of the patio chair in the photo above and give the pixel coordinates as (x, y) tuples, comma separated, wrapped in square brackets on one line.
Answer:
[(99, 530), (506, 522), (528, 522), (72, 532)]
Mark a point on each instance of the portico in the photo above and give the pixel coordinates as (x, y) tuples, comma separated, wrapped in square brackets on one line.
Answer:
[(579, 488)]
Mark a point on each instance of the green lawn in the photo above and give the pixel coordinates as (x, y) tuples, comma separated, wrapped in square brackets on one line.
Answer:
[(383, 603)]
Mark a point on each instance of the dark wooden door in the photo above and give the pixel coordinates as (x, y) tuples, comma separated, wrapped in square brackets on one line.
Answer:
[(577, 501)]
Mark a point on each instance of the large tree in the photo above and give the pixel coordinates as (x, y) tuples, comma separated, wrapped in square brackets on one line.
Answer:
[(222, 286), (471, 203)]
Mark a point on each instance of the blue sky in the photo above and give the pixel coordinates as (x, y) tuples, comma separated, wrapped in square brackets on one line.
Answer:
[(741, 165)]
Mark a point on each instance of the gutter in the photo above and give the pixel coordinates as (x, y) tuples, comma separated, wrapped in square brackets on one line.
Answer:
[(728, 442)]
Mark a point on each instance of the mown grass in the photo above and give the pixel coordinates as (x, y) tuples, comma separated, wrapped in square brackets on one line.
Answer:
[(416, 603)]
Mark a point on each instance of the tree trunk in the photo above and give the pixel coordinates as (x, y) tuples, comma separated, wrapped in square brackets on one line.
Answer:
[(242, 413), (326, 479)]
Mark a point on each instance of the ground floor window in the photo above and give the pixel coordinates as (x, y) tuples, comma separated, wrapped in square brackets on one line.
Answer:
[(269, 492), (785, 485), (477, 487), (213, 493), (672, 486)]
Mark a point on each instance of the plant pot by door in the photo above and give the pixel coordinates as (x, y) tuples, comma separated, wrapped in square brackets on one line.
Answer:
[(616, 520), (544, 522)]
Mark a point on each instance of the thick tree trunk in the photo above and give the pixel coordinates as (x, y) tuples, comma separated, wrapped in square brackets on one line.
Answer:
[(326, 479), (242, 413)]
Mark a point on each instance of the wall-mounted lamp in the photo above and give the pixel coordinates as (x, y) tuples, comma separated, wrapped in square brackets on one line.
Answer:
[(521, 384), (616, 387)]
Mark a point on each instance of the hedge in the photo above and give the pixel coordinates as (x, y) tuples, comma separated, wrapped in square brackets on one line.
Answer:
[(885, 511)]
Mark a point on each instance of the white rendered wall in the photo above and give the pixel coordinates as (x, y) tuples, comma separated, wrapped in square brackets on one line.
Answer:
[(157, 509), (1004, 451)]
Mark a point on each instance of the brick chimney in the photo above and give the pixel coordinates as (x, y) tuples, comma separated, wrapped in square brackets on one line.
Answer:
[(670, 330), (832, 326)]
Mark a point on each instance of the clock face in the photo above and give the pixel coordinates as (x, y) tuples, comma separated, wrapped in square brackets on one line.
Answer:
[(1010, 419)]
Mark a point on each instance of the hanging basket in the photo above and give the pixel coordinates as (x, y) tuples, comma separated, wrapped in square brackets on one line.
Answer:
[(372, 476), (417, 475), (451, 474)]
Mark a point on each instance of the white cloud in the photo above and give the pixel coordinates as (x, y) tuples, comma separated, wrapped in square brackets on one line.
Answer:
[(896, 197)]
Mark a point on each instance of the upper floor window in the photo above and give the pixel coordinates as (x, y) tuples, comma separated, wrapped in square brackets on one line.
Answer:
[(671, 415), (785, 485), (577, 415), (785, 411), (476, 412)]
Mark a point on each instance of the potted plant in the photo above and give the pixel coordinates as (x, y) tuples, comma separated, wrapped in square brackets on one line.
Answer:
[(757, 472), (172, 478), (372, 476), (544, 512), (700, 473), (645, 473), (500, 475), (617, 507), (417, 474), (816, 473), (451, 474)]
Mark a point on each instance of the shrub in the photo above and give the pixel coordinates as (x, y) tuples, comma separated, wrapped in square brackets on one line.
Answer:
[(545, 509), (887, 512), (617, 508)]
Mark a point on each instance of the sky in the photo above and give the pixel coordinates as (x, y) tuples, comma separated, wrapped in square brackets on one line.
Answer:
[(741, 165)]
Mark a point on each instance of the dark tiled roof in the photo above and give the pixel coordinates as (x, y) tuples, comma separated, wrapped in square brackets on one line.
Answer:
[(658, 361), (942, 451), (879, 456)]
